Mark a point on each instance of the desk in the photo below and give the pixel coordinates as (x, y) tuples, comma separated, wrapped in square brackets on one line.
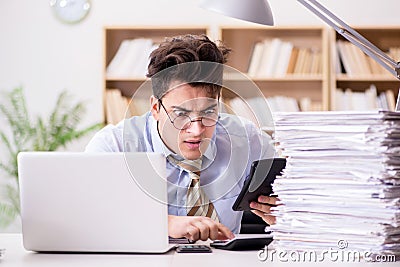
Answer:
[(16, 256)]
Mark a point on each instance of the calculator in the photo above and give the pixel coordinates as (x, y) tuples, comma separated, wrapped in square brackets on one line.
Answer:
[(244, 242), (193, 249)]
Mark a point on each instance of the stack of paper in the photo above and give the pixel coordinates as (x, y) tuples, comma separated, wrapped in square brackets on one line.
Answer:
[(341, 185)]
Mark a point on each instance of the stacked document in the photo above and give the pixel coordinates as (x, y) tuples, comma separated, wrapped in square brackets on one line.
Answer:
[(341, 185)]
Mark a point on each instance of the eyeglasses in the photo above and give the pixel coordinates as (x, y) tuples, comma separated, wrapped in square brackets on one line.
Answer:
[(181, 119)]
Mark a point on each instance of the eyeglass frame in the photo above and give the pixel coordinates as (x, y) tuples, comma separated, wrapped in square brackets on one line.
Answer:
[(190, 119)]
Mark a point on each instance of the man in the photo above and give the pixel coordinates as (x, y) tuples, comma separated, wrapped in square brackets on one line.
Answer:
[(202, 146)]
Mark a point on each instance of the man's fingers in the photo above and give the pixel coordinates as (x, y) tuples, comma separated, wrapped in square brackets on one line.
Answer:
[(267, 200), (261, 207), (213, 228), (193, 233), (266, 217), (197, 227), (203, 228), (224, 232)]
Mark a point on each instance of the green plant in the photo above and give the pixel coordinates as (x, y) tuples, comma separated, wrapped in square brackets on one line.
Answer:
[(28, 134)]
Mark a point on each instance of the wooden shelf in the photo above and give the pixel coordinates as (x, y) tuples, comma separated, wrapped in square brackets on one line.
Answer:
[(319, 88), (366, 78), (242, 40), (127, 85), (115, 35), (384, 37), (127, 79), (286, 78)]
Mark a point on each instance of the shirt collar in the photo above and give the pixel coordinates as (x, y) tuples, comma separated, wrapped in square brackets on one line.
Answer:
[(160, 147), (158, 144)]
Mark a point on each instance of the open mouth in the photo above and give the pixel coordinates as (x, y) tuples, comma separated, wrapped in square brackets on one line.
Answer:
[(193, 144)]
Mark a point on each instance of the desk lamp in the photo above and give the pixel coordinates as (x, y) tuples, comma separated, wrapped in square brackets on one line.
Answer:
[(259, 11)]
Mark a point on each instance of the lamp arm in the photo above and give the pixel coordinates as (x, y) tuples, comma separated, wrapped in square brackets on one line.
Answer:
[(353, 36), (388, 63)]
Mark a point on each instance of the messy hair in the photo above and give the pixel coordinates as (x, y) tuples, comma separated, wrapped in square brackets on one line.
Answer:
[(192, 59)]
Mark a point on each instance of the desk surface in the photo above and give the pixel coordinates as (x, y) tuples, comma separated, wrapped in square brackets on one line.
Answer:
[(16, 256)]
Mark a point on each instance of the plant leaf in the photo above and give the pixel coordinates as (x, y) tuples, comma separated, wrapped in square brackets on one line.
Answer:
[(7, 214), (13, 197), (16, 114), (48, 134)]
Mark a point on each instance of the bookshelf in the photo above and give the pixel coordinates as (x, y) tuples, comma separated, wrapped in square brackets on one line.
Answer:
[(317, 84), (299, 84), (354, 72), (122, 81)]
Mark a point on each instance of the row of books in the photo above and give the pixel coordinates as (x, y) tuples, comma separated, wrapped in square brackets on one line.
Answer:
[(352, 61), (281, 103), (270, 58), (131, 58), (119, 107), (256, 109), (276, 58), (260, 109), (367, 100)]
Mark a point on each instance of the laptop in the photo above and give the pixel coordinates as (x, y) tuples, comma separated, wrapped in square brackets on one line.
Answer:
[(84, 202)]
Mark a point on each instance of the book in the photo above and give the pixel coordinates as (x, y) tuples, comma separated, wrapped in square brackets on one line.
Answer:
[(283, 59), (345, 57), (352, 59), (336, 62), (114, 65), (298, 68), (366, 100), (270, 57), (374, 66), (338, 103), (383, 101), (359, 101), (363, 67), (116, 106), (256, 58), (261, 111), (390, 100), (347, 102), (281, 103), (305, 104), (316, 62), (240, 108), (292, 61), (131, 59), (371, 96), (306, 66)]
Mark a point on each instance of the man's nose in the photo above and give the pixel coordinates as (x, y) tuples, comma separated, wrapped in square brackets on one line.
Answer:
[(196, 126)]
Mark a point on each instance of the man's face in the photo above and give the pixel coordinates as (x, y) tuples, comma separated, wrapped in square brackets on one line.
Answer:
[(185, 100)]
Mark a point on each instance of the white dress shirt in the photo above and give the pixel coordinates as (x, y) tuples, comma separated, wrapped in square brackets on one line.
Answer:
[(235, 144)]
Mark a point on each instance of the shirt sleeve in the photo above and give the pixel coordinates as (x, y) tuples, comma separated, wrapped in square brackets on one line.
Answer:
[(108, 139), (261, 144)]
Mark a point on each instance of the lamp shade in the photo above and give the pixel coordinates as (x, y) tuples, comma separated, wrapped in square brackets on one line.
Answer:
[(257, 11)]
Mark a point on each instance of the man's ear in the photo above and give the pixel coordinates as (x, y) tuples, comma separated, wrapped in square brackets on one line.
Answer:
[(154, 107)]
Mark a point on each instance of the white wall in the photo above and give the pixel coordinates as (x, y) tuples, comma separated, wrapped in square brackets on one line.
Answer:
[(45, 56)]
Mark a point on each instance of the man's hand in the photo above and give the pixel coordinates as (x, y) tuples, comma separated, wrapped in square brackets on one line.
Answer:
[(197, 227), (263, 208)]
